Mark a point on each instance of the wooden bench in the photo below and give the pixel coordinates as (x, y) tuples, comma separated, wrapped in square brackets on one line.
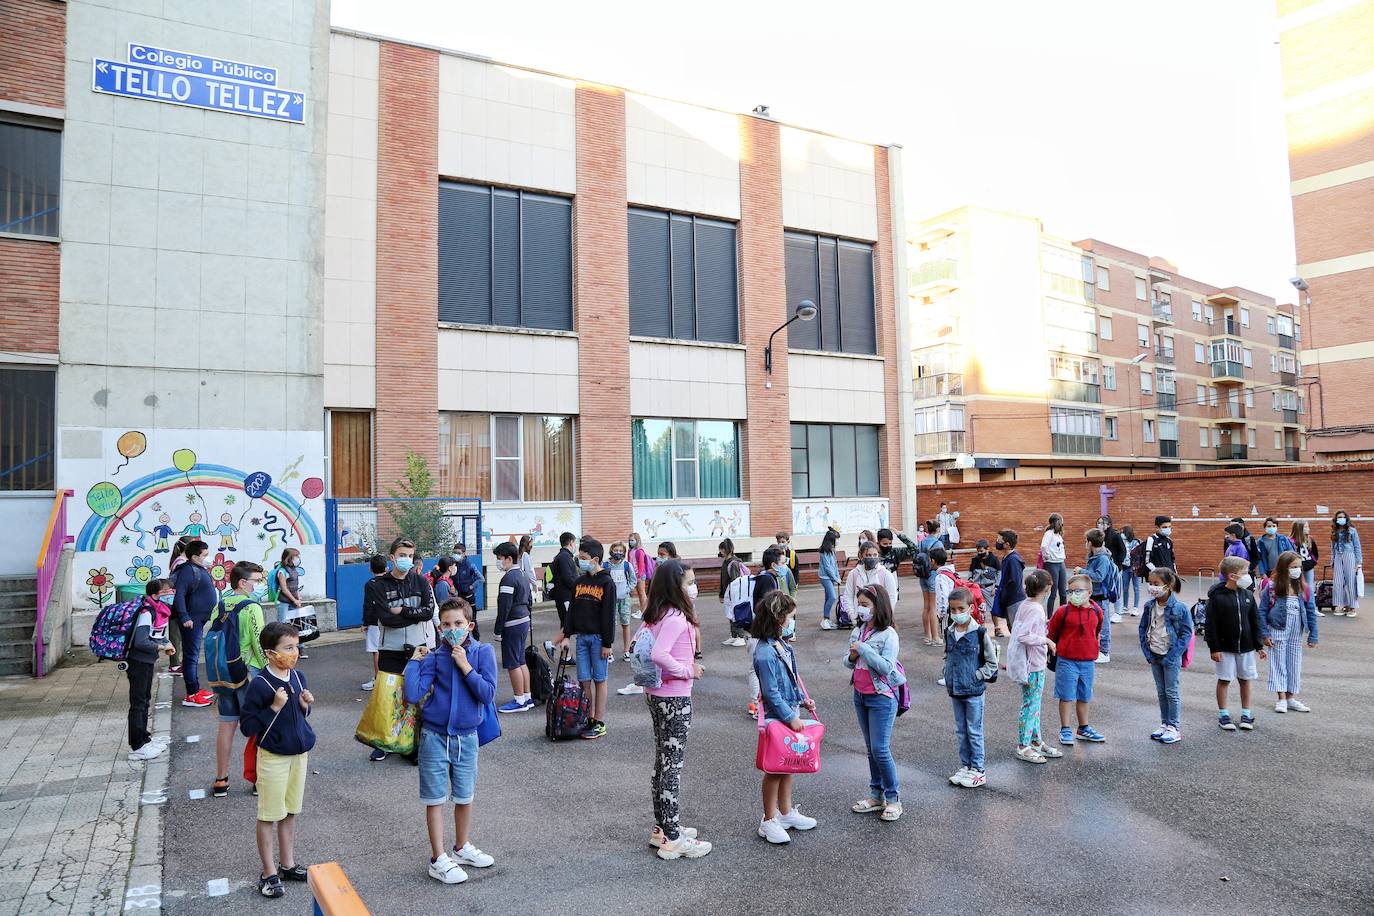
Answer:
[(333, 892)]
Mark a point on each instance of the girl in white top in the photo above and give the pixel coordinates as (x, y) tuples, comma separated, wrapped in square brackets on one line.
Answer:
[(1052, 554), (527, 564), (1027, 654), (869, 572)]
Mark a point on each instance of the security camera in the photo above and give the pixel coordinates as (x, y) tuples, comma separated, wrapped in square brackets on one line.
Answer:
[(1299, 284)]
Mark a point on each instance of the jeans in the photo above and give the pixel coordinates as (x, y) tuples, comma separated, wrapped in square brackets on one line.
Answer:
[(190, 655), (1129, 583), (140, 697), (876, 714), (448, 768), (285, 611), (1309, 579), (1104, 639), (590, 665), (1166, 685), (830, 597), (1059, 585), (968, 725)]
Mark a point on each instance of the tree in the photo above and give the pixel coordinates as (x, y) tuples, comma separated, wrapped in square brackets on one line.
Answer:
[(422, 522)]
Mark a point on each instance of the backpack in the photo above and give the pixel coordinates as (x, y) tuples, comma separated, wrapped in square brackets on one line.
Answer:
[(1136, 559), (113, 630), (979, 604), (983, 657), (920, 565), (541, 678), (568, 709), (1200, 615), (646, 671), (272, 587), (739, 599), (224, 664), (903, 692)]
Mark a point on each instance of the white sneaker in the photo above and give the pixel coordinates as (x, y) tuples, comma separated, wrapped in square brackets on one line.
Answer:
[(1103, 658), (657, 839), (940, 680), (149, 751), (684, 846), (773, 832), (1296, 705), (740, 642), (795, 820), (1321, 613), (1135, 612), (630, 690), (370, 684), (958, 778), (827, 625), (162, 739), (637, 615), (1116, 618), (471, 855), (447, 871), (728, 641), (1281, 706)]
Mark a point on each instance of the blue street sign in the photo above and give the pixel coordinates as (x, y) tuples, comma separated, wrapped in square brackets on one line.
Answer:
[(176, 87), (213, 67)]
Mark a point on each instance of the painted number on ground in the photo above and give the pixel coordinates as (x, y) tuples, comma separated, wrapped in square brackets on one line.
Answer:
[(147, 896)]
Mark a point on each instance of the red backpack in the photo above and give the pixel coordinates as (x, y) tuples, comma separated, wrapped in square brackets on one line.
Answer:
[(980, 604)]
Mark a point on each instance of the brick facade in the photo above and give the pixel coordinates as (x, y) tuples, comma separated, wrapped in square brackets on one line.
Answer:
[(33, 42), (886, 316), (407, 260), (29, 272), (601, 299), (1252, 493)]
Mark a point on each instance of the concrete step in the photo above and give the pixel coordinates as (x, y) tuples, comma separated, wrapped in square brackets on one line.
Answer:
[(20, 666), (18, 649), (18, 584), (18, 599), (28, 615), (16, 631)]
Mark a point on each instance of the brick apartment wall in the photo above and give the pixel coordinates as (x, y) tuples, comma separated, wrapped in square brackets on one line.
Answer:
[(891, 450), (1285, 493), (28, 295), (763, 307), (407, 260), (33, 44), (601, 310)]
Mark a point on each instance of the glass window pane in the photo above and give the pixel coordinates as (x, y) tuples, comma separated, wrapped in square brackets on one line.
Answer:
[(465, 455), (30, 179), (548, 459), (27, 423), (507, 444), (818, 459), (842, 460), (798, 435), (866, 459), (685, 479), (684, 439), (651, 449), (718, 454), (799, 486), (506, 480)]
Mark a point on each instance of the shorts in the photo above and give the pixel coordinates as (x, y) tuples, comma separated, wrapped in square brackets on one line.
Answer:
[(622, 611), (281, 784), (448, 768), (590, 665), (229, 702), (513, 640), (928, 583), (1073, 681), (373, 638), (1235, 666)]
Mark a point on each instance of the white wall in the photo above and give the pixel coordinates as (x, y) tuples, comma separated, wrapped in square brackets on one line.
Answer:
[(686, 381), (506, 125), (505, 372), (25, 522), (681, 157), (835, 389), (827, 185)]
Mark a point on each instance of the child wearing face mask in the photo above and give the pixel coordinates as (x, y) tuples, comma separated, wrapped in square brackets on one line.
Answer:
[(589, 631), (780, 692), (970, 662), (1159, 547), (1166, 632), (1235, 635), (1027, 658), (1270, 544), (873, 649), (623, 575), (1076, 629), (461, 672), (870, 571), (1286, 615), (146, 643)]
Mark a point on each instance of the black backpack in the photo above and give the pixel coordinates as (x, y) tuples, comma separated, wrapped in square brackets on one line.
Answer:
[(541, 678), (920, 564)]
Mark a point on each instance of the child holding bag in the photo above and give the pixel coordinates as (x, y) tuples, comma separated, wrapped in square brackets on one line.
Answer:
[(1166, 633), (782, 700), (1027, 659), (873, 649)]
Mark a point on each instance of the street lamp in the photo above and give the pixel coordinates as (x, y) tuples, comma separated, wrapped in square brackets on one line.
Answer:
[(805, 311)]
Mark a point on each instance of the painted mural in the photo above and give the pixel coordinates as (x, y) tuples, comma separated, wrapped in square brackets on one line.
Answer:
[(248, 495), (543, 523), (669, 521), (813, 516)]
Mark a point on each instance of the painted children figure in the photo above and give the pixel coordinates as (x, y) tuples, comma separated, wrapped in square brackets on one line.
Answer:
[(163, 532), (226, 531)]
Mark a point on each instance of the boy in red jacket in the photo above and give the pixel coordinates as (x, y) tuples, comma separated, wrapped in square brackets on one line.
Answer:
[(1075, 629)]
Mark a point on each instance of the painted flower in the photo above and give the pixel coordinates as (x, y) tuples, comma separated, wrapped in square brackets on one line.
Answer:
[(143, 570), (219, 571), (124, 539), (230, 499), (101, 581), (190, 499), (255, 521)]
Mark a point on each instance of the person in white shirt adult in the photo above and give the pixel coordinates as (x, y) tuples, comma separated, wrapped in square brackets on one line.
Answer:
[(870, 571), (1052, 555)]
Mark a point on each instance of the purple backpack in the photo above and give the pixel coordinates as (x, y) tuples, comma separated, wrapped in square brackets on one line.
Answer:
[(113, 629), (903, 692)]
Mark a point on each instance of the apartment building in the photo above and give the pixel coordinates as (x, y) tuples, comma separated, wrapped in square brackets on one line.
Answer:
[(1329, 108), (1037, 357)]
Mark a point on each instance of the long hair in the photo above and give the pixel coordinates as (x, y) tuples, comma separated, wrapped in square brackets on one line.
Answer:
[(286, 553), (1282, 583), (1339, 533), (526, 544), (1168, 578), (179, 548), (1057, 523), (666, 593), (442, 567), (882, 606), (773, 609), (828, 542), (1298, 534)]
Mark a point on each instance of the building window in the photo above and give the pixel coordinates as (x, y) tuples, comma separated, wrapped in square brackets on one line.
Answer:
[(1140, 290), (1250, 437), (1146, 383), (1111, 428), (1278, 440), (1297, 332), (1142, 335), (685, 459), (1212, 395), (1109, 377), (1269, 324), (1302, 404), (1249, 357), (834, 460), (505, 257), (1244, 317), (682, 277), (28, 405), (837, 275), (1249, 397), (1199, 353), (1104, 327), (350, 454), (1197, 310), (1209, 314), (1149, 430), (940, 430), (1070, 327), (1201, 394), (1104, 278), (506, 457), (1216, 436), (1075, 431), (30, 179), (1202, 436)]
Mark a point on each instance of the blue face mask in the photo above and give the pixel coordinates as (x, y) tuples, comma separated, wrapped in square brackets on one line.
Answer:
[(259, 593), (1340, 521), (789, 629), (586, 565), (404, 564)]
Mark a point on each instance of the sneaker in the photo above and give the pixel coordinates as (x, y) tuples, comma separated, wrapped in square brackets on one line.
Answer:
[(1338, 612), (1030, 754), (471, 855), (1116, 618), (199, 700), (891, 811), (512, 706), (270, 886), (773, 832), (973, 778), (637, 615), (827, 625), (1281, 706), (175, 670), (593, 731), (752, 710), (148, 751), (447, 871), (1171, 736), (1049, 753), (1088, 733), (958, 778), (1066, 736), (657, 839), (369, 684), (683, 847), (1159, 732), (1294, 705), (1224, 721), (1352, 614), (795, 820), (940, 680), (527, 705), (378, 754), (1135, 612), (740, 642), (294, 873), (1321, 613), (728, 641), (1247, 721), (625, 657), (630, 690), (1103, 658)]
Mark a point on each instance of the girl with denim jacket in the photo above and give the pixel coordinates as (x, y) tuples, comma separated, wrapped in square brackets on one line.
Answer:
[(873, 649), (1285, 616), (1166, 632), (1347, 569), (775, 665), (830, 576)]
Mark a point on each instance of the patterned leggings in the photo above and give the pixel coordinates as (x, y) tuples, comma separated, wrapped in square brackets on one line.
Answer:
[(672, 718), (1029, 731)]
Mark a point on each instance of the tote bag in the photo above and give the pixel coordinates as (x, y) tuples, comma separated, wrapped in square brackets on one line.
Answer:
[(784, 751), (388, 721)]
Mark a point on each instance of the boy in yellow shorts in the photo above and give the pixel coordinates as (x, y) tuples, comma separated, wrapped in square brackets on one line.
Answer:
[(276, 711)]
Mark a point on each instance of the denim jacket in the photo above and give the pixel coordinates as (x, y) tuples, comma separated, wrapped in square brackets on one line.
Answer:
[(1267, 545), (1274, 614), (829, 570), (779, 686), (1349, 544), (879, 653), (964, 677), (1178, 622)]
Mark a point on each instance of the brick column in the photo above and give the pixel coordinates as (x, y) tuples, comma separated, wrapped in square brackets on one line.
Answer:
[(601, 309), (890, 452), (407, 260), (763, 307)]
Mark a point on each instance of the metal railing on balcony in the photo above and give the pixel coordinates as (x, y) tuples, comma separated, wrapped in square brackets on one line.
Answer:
[(1229, 410), (1232, 452), (1288, 379), (944, 443), (1075, 444), (1162, 312), (1225, 368), (935, 272), (1075, 391), (1290, 417), (1166, 400), (1164, 355), (1168, 448), (1286, 340), (1227, 326), (1291, 453), (947, 384)]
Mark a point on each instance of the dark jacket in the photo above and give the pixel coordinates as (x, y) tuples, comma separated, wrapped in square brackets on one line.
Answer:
[(564, 576), (730, 569), (1233, 620), (466, 578), (147, 639), (1178, 622), (196, 595), (1116, 546), (983, 570), (1159, 552), (512, 599), (593, 607), (764, 583), (392, 602), (897, 554), (458, 703), (1010, 591), (285, 732)]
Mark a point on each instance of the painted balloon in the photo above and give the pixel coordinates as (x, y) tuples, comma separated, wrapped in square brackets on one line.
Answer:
[(312, 487), (183, 459), (104, 499), (257, 483), (132, 444)]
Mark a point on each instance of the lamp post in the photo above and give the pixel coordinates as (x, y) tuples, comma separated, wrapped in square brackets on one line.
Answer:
[(806, 310)]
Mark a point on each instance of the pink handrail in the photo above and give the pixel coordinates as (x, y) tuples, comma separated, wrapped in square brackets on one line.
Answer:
[(54, 539)]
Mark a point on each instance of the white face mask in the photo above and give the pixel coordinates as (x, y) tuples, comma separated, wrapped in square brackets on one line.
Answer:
[(692, 590), (1166, 531), (864, 613), (1245, 581), (1156, 590), (1295, 571)]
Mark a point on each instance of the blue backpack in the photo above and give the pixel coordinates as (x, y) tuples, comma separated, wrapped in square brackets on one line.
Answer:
[(224, 664), (642, 664), (113, 627)]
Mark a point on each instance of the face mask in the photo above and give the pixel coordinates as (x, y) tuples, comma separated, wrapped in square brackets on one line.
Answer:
[(634, 543), (454, 637), (404, 564), (1001, 546), (167, 598), (617, 557), (1340, 521), (961, 618), (1271, 530), (1078, 597), (286, 660), (1156, 590), (1166, 531), (864, 613), (692, 590), (870, 562), (788, 629), (663, 558), (1295, 571), (586, 565), (460, 557), (259, 592), (1245, 581)]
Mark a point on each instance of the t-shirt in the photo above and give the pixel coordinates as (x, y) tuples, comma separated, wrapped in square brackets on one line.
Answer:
[(1158, 635), (250, 627)]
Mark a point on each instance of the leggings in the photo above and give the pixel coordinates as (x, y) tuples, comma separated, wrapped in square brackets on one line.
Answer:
[(1059, 584), (1028, 732), (672, 718)]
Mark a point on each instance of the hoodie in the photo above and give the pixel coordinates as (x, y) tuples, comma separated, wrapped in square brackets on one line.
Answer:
[(593, 607), (1233, 620), (459, 700)]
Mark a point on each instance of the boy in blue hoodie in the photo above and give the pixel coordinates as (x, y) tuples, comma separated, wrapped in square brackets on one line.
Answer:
[(462, 673), (1100, 570)]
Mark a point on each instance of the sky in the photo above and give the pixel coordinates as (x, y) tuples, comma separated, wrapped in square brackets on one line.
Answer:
[(1156, 125)]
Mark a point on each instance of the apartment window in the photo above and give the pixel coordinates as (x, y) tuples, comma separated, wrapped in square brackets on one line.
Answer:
[(28, 418), (1244, 317), (1287, 363), (1274, 399), (1202, 436), (1282, 325), (1149, 430), (1197, 310), (1111, 428), (685, 459), (1070, 327), (1104, 278), (1104, 327), (1297, 332), (1201, 394), (350, 454), (837, 275), (1146, 383), (1249, 357), (1109, 377), (506, 457), (834, 460), (1269, 325), (1168, 429), (1216, 436), (1278, 440), (1210, 314), (1302, 404), (1142, 335), (505, 257), (1250, 437), (1273, 362), (1140, 290), (1212, 396), (1199, 353), (1076, 431), (682, 277), (1249, 397), (30, 179)]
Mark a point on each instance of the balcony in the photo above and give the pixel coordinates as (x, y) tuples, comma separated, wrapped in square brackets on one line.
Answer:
[(1168, 448), (1290, 453), (1229, 412), (1228, 371), (1232, 453), (1075, 391), (1164, 355), (1074, 444), (1161, 312), (946, 443), (1166, 400), (1226, 327), (1290, 417), (948, 384), (935, 276), (1286, 341), (1288, 379)]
